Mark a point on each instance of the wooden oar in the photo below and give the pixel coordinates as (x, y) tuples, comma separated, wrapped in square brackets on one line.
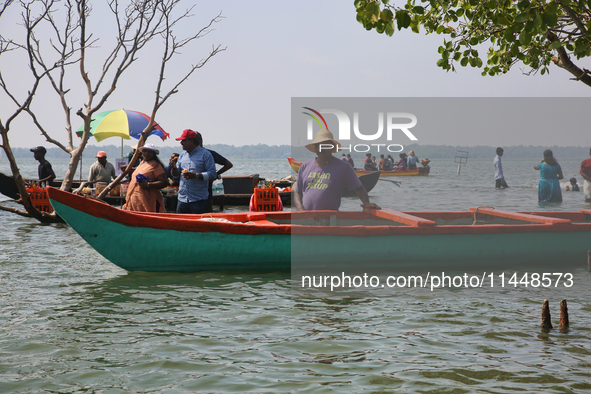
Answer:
[(397, 183)]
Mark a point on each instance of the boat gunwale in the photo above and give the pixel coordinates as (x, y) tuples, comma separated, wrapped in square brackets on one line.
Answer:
[(190, 223)]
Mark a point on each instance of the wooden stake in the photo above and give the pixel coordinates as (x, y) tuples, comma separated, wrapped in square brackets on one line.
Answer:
[(546, 319), (563, 314)]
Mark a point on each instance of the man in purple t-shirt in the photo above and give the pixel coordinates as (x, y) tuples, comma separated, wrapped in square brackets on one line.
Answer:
[(321, 180)]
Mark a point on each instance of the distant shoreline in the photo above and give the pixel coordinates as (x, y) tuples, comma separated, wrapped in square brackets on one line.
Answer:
[(263, 151)]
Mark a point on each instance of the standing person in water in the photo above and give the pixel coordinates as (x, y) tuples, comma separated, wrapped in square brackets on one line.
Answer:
[(573, 187), (550, 175), (499, 177)]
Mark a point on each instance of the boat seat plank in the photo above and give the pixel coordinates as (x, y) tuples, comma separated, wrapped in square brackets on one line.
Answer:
[(519, 216), (401, 217), (254, 217), (264, 223)]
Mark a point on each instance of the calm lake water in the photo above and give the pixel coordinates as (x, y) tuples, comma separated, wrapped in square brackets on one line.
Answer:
[(71, 322)]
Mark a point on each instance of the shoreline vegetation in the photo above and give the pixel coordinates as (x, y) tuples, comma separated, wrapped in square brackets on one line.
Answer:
[(263, 151)]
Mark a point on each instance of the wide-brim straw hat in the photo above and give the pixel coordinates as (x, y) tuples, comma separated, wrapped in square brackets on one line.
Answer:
[(323, 136)]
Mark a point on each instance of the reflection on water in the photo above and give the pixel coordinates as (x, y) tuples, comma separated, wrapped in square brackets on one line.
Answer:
[(73, 322)]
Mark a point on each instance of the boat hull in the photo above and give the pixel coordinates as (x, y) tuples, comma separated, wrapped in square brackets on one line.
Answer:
[(440, 252), (8, 186), (422, 171), (328, 241), (154, 249)]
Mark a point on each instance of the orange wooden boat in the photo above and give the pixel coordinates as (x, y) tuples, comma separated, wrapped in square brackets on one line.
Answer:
[(263, 241), (422, 171)]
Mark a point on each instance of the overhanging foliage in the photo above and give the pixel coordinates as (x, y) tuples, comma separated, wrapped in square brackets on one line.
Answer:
[(536, 33)]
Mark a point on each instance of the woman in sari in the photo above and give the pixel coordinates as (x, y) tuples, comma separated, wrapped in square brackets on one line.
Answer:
[(144, 194), (550, 174)]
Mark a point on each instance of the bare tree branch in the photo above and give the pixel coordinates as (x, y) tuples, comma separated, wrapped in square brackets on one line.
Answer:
[(30, 23), (65, 33), (214, 51), (65, 50), (4, 5), (171, 47), (17, 211)]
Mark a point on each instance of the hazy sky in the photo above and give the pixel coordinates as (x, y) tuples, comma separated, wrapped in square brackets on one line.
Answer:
[(279, 50)]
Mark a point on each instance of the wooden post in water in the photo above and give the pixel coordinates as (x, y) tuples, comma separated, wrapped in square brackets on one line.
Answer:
[(563, 314), (546, 319), (461, 158)]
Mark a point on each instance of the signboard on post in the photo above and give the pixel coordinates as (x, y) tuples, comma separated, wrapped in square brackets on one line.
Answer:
[(120, 163)]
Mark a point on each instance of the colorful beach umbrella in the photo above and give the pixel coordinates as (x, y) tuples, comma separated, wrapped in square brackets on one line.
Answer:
[(121, 123)]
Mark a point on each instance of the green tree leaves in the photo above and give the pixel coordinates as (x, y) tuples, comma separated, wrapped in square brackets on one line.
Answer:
[(403, 19), (533, 32)]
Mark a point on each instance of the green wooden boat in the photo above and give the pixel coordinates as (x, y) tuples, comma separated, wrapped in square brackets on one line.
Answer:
[(274, 241)]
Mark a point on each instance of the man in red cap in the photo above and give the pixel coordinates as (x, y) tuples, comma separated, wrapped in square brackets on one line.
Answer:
[(196, 167), (101, 170)]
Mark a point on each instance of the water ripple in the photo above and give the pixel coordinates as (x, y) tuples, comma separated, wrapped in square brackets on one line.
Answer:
[(71, 322)]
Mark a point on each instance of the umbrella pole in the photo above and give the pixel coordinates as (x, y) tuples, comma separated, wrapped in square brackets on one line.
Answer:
[(81, 169), (122, 147)]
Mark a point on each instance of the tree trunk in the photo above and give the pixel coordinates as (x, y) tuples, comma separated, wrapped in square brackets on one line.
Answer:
[(75, 157)]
